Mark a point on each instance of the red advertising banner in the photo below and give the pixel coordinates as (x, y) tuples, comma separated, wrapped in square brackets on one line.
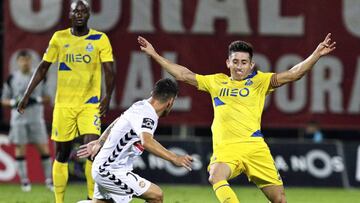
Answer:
[(196, 34), (8, 171)]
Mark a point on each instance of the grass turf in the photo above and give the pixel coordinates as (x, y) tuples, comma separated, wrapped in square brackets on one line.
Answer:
[(11, 193)]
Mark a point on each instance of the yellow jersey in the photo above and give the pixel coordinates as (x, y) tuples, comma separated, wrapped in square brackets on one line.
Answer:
[(79, 66), (238, 105)]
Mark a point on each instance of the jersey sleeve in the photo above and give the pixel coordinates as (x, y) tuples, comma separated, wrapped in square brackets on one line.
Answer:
[(52, 52), (143, 122), (204, 82), (266, 87), (106, 54)]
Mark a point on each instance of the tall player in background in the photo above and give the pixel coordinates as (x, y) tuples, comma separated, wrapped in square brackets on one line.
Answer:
[(80, 53), (238, 102)]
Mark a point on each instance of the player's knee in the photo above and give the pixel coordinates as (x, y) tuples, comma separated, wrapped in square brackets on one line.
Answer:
[(156, 197), (213, 179), (20, 150), (43, 150), (279, 198), (159, 196), (63, 151), (62, 157)]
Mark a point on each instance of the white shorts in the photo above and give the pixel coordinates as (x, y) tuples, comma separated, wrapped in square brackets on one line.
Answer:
[(119, 185)]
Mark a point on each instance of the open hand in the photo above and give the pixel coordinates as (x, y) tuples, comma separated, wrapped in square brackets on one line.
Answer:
[(326, 46), (89, 150), (146, 46), (184, 161)]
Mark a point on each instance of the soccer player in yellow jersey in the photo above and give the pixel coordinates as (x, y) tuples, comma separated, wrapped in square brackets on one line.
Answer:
[(80, 53), (238, 102)]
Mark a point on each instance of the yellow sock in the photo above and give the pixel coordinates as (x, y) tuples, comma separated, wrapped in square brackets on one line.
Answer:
[(224, 193), (60, 178), (89, 179)]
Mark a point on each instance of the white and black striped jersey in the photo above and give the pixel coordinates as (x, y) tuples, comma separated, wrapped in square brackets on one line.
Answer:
[(123, 143)]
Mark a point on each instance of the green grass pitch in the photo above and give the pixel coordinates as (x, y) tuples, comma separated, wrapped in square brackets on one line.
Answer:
[(11, 193)]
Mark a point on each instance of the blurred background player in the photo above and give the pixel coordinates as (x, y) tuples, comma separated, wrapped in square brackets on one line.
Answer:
[(313, 132), (238, 102), (124, 140), (80, 53), (30, 127)]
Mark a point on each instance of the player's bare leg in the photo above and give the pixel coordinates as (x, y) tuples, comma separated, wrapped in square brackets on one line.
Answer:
[(88, 165), (21, 167), (153, 195), (20, 150), (46, 162), (275, 193), (219, 173)]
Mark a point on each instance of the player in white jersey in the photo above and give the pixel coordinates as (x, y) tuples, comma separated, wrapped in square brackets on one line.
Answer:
[(124, 140)]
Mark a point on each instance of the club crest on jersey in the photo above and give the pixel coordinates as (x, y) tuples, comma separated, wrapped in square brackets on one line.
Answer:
[(142, 184), (89, 47), (248, 82), (148, 123), (66, 45)]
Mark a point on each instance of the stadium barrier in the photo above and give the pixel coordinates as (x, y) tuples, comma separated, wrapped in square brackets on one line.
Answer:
[(330, 164)]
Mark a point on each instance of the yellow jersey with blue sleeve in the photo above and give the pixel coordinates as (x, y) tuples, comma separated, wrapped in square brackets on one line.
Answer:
[(79, 66), (238, 105)]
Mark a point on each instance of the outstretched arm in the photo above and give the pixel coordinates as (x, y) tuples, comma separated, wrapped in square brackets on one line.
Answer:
[(157, 149), (300, 69), (36, 78), (179, 72)]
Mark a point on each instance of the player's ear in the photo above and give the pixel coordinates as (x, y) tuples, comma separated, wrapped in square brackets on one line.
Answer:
[(171, 102), (252, 65), (227, 63), (70, 14)]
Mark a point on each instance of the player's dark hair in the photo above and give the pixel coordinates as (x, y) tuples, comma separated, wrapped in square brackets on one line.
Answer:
[(23, 53), (241, 46), (165, 89)]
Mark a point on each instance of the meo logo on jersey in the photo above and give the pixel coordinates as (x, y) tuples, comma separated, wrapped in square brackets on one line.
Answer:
[(234, 92), (148, 123), (77, 58)]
